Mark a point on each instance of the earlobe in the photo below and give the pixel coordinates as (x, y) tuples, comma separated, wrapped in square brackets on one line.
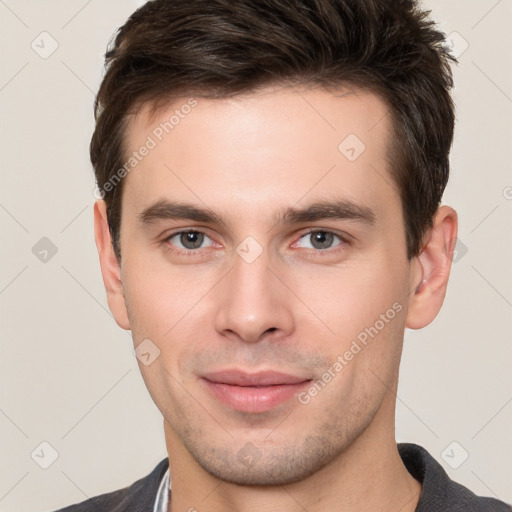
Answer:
[(110, 266), (434, 264)]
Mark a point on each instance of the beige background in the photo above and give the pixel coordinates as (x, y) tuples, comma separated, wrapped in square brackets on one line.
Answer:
[(69, 377)]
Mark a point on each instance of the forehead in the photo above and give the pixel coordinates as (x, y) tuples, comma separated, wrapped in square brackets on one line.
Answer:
[(274, 146)]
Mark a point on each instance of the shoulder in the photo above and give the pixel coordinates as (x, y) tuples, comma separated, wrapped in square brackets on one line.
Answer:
[(439, 492), (138, 496)]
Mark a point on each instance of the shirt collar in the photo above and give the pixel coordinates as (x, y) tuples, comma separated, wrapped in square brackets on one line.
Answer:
[(162, 496)]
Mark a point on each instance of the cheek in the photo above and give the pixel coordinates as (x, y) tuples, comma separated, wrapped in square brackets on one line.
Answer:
[(153, 299), (162, 305), (162, 301), (350, 298), (364, 308)]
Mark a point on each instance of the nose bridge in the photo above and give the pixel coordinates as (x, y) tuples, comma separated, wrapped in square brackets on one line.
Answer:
[(252, 300), (251, 276)]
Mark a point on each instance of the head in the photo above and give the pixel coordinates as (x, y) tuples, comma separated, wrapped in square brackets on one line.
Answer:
[(271, 175)]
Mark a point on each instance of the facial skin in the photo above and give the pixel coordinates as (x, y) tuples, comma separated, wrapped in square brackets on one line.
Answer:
[(295, 309)]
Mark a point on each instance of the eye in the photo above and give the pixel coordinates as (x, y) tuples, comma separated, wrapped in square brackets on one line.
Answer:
[(188, 240), (321, 240)]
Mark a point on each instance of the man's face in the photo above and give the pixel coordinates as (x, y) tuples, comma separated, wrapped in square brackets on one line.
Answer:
[(257, 289)]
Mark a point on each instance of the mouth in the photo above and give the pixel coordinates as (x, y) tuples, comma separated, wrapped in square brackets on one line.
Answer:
[(253, 392)]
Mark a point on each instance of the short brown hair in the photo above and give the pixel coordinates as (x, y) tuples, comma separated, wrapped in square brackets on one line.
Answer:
[(221, 48)]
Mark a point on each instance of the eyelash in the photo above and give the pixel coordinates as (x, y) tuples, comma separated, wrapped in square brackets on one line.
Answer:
[(344, 241)]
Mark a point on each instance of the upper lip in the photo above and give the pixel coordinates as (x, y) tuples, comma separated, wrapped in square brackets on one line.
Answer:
[(263, 378)]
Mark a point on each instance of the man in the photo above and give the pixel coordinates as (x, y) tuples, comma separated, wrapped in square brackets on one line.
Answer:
[(270, 174)]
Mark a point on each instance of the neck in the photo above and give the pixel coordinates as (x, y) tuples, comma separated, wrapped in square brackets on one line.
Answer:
[(369, 475)]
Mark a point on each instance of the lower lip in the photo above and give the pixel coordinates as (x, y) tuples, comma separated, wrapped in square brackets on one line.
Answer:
[(254, 399)]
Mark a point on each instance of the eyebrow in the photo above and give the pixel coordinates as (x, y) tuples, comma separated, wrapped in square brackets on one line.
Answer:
[(340, 209)]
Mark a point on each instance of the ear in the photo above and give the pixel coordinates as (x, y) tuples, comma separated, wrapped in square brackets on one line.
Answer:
[(110, 266), (432, 269)]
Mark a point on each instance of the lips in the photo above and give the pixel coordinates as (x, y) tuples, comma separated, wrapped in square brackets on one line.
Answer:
[(253, 392), (239, 378)]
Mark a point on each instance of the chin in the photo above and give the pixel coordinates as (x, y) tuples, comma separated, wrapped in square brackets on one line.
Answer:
[(270, 466)]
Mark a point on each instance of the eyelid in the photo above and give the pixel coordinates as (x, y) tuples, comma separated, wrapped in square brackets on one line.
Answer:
[(342, 235), (185, 229)]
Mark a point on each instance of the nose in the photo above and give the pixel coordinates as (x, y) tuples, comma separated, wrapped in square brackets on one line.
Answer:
[(253, 303)]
